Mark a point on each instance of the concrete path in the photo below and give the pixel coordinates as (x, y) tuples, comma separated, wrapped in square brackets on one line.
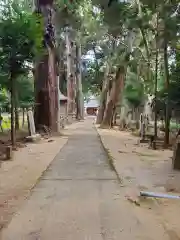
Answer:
[(78, 198)]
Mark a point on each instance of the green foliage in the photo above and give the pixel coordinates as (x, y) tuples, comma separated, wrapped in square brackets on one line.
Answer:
[(116, 17), (25, 97), (4, 98), (20, 39), (92, 78), (134, 91), (174, 87), (24, 92), (66, 13)]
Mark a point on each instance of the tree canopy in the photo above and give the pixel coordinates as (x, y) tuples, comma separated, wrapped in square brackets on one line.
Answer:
[(130, 49)]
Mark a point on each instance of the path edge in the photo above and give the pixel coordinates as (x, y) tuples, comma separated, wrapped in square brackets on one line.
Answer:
[(111, 159)]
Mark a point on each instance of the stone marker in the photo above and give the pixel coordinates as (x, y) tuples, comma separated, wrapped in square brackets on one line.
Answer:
[(32, 131), (8, 153), (143, 129)]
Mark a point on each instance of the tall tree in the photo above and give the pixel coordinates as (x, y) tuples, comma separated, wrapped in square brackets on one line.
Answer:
[(46, 84), (20, 40)]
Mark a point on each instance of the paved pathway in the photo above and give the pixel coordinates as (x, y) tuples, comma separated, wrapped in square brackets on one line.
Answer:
[(78, 198)]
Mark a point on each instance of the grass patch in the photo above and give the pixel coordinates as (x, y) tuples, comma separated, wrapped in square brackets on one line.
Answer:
[(6, 123), (174, 125)]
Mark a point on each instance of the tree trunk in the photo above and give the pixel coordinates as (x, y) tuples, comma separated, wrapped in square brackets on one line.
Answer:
[(70, 72), (79, 94), (46, 89), (16, 119), (155, 85), (103, 97), (58, 106), (16, 111), (42, 113), (167, 116), (13, 137), (155, 98), (46, 108), (117, 88), (23, 117)]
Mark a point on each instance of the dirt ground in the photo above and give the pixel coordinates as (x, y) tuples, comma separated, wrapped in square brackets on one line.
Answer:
[(17, 177), (140, 168), (79, 196)]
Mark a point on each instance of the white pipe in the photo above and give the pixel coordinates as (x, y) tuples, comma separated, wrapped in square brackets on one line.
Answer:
[(158, 195)]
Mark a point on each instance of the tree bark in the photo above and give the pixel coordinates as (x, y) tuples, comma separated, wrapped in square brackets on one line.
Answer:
[(103, 97), (46, 89), (117, 88), (16, 111), (23, 117), (42, 113), (45, 74), (155, 97), (13, 136), (79, 94), (70, 72), (16, 119), (167, 114)]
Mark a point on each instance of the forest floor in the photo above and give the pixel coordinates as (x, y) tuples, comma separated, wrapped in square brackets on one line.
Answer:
[(142, 169), (91, 193)]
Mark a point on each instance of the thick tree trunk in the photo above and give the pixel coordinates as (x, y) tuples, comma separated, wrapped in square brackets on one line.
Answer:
[(117, 88), (103, 97), (46, 108), (70, 72), (42, 113), (46, 89), (102, 107)]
